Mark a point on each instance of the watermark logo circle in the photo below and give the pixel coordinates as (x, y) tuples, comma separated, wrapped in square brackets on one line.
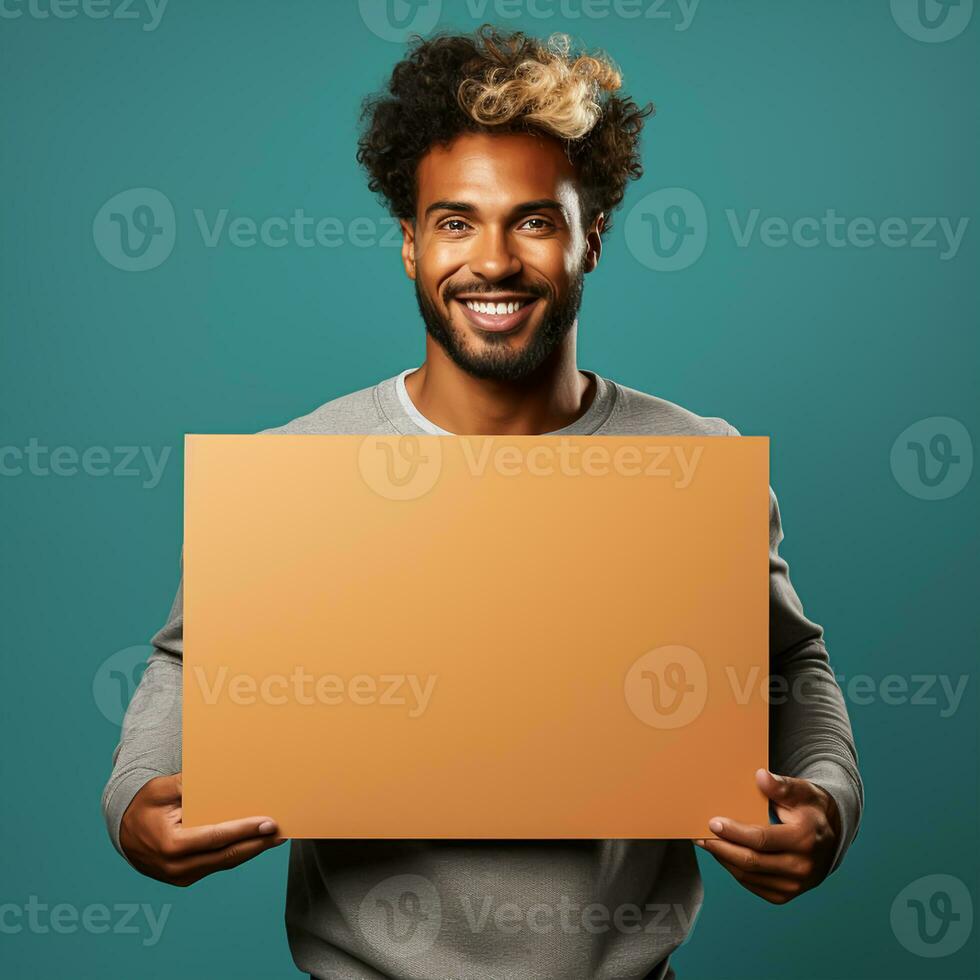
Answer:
[(396, 20), (667, 687), (932, 459), (932, 21), (933, 916), (400, 467), (135, 230), (401, 914), (117, 687), (667, 230)]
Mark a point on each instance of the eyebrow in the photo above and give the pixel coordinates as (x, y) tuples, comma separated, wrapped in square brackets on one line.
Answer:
[(449, 206), (527, 207)]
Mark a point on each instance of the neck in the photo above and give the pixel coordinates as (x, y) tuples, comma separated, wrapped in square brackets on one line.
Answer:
[(554, 396)]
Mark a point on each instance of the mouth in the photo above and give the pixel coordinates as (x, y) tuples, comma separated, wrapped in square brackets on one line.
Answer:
[(496, 314)]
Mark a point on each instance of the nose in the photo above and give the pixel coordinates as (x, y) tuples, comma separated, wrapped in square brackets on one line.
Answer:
[(493, 257)]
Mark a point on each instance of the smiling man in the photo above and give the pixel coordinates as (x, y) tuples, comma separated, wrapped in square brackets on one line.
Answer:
[(503, 158)]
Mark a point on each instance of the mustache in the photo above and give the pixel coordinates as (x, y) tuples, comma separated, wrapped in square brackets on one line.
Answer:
[(482, 288)]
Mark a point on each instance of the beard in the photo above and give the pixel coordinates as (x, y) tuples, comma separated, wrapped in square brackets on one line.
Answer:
[(495, 361)]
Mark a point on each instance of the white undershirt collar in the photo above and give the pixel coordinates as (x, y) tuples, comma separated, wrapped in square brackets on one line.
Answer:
[(588, 423), (412, 412)]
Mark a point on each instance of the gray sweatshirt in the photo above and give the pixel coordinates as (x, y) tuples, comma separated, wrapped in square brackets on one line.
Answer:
[(486, 910)]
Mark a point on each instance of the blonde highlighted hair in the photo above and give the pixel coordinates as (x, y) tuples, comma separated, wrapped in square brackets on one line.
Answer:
[(546, 89), (493, 81)]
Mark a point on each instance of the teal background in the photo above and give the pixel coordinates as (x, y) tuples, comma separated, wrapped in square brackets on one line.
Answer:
[(792, 108)]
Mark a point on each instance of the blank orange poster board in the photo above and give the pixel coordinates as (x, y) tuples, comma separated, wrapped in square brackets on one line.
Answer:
[(476, 637)]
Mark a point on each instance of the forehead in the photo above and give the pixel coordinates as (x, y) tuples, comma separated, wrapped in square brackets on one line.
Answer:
[(496, 170)]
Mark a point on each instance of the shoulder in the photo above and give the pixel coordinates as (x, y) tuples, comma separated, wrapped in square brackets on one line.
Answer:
[(357, 413), (638, 413)]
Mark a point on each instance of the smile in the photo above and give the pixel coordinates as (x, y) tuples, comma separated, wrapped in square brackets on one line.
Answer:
[(497, 316), (496, 309)]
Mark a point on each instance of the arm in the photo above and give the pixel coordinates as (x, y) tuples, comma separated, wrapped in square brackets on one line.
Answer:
[(810, 733), (142, 800), (150, 743), (819, 798)]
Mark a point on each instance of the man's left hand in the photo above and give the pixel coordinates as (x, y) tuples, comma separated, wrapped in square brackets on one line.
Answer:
[(782, 860)]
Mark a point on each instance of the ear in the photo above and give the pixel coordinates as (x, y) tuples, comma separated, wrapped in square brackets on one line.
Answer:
[(593, 243), (408, 246)]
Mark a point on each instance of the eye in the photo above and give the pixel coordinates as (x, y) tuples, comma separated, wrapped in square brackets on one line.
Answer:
[(542, 224), (459, 223)]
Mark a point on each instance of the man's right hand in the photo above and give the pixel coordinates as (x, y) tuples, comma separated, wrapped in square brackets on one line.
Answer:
[(156, 842)]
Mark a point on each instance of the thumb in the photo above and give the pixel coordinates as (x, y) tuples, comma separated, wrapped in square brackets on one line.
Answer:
[(787, 791)]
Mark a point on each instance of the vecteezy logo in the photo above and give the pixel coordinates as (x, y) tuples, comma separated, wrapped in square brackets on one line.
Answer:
[(933, 916), (136, 229), (667, 230), (932, 21), (667, 687), (933, 458), (401, 914), (116, 681), (400, 467), (395, 20)]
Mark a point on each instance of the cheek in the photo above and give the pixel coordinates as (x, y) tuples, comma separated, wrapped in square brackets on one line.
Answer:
[(439, 263), (573, 254), (547, 261)]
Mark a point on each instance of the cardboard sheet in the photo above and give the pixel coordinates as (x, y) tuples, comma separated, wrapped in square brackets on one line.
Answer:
[(476, 637)]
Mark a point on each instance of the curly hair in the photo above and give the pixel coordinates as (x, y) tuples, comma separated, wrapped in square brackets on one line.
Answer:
[(502, 82)]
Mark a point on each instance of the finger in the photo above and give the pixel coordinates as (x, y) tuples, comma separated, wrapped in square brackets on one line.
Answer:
[(771, 888), (772, 837), (774, 897), (785, 790), (217, 836), (785, 886), (190, 869), (746, 859)]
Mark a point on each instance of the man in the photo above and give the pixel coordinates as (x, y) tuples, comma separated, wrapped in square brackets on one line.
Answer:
[(503, 158)]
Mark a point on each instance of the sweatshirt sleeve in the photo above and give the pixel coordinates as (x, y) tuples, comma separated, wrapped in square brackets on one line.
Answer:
[(150, 743), (809, 730)]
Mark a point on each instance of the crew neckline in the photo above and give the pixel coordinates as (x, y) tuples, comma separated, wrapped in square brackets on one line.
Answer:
[(411, 411), (588, 423)]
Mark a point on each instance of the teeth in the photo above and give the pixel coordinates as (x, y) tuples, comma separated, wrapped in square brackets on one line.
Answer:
[(495, 309)]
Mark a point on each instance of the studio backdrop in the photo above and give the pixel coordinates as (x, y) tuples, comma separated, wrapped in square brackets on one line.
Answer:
[(190, 246)]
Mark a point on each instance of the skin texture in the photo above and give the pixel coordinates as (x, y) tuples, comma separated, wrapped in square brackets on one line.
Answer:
[(780, 861), (156, 842), (495, 243), (521, 383)]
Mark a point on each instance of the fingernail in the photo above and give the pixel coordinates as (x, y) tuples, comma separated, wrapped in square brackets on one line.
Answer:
[(267, 827), (779, 779), (699, 843), (715, 825)]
